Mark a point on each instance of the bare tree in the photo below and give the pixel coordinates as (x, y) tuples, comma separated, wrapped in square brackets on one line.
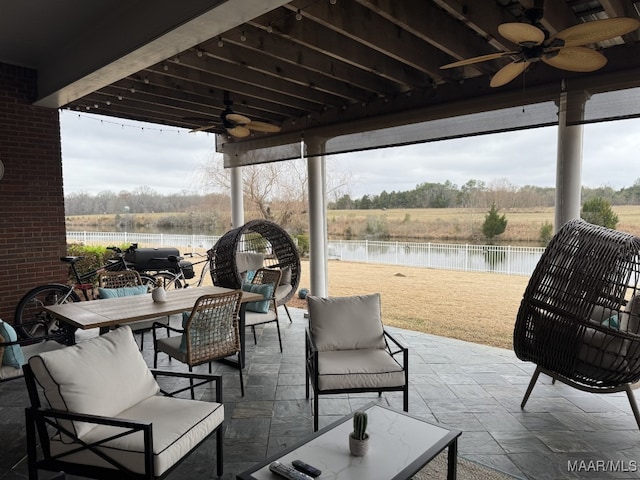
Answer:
[(277, 190)]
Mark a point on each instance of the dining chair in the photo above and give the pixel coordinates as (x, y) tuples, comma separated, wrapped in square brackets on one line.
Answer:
[(210, 332), (125, 283), (348, 350), (265, 282)]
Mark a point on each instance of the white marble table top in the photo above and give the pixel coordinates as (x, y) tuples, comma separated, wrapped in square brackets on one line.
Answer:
[(397, 442)]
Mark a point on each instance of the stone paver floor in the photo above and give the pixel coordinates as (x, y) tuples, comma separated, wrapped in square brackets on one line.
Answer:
[(562, 432)]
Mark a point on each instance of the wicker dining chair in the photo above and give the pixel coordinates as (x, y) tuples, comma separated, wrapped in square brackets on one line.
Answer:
[(579, 319), (125, 283), (265, 281), (210, 332)]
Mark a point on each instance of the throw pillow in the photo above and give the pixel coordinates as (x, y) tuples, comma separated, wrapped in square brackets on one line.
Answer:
[(13, 356), (611, 322), (265, 290), (122, 291)]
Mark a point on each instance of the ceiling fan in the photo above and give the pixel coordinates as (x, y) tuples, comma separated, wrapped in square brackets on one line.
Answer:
[(238, 125), (564, 50)]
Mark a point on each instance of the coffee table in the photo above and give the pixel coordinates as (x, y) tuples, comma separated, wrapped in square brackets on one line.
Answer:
[(400, 445)]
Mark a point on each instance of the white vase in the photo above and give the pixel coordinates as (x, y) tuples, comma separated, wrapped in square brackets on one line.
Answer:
[(159, 294)]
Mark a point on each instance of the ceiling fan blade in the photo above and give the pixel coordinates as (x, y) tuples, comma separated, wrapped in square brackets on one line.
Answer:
[(597, 31), (482, 58), (521, 33), (204, 128), (239, 131), (263, 127), (576, 59), (508, 73), (237, 118)]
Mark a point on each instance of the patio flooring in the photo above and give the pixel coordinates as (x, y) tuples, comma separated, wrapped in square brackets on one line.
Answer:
[(562, 433)]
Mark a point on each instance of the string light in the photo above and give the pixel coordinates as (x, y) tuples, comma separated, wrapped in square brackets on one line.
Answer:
[(243, 37), (199, 53), (269, 28), (298, 15), (220, 42), (333, 2), (126, 125)]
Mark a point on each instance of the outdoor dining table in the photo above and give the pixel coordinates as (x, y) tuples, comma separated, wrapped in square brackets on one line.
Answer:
[(110, 312)]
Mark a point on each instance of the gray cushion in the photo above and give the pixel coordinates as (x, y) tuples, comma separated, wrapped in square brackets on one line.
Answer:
[(249, 261), (358, 369), (102, 376), (346, 323), (178, 426)]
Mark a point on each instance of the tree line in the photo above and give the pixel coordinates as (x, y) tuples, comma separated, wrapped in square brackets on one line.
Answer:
[(473, 194), (478, 194)]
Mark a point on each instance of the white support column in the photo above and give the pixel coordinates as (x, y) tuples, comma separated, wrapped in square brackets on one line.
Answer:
[(569, 161), (237, 198), (317, 218)]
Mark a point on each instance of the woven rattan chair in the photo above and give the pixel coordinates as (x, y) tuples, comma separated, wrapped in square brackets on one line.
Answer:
[(259, 313), (265, 239), (210, 332), (579, 318), (120, 282)]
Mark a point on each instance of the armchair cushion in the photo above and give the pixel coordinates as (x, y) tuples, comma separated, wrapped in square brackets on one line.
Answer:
[(13, 355), (178, 425), (363, 368), (122, 291), (104, 376), (346, 323)]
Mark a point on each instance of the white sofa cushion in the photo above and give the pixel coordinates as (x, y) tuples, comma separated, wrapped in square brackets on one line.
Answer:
[(178, 426), (102, 376), (346, 323), (368, 369)]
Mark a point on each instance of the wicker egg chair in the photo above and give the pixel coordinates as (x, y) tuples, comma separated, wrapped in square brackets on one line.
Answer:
[(579, 320), (237, 250)]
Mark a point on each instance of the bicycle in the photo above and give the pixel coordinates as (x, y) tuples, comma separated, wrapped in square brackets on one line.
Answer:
[(30, 309), (177, 276)]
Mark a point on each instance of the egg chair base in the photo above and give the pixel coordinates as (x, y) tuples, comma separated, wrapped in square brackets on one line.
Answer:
[(585, 388)]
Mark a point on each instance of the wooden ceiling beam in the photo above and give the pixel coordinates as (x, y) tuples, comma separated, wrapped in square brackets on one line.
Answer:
[(321, 39), (363, 25), (433, 25)]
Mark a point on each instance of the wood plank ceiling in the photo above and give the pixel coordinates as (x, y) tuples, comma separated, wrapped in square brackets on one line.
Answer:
[(321, 62)]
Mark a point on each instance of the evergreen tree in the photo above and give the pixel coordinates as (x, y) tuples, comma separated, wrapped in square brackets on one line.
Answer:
[(598, 211), (494, 224)]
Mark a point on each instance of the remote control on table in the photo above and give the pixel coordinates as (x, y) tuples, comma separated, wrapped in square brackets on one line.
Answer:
[(288, 472), (306, 468)]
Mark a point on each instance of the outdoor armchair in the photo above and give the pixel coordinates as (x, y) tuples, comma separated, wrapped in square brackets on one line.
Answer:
[(210, 332), (107, 416), (348, 350)]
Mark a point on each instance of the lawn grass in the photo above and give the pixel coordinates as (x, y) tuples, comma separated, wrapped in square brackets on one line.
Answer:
[(470, 306)]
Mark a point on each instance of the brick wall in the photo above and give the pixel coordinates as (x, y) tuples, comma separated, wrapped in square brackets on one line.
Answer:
[(32, 229)]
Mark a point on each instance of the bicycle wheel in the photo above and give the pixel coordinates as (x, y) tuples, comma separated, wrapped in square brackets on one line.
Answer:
[(31, 309), (167, 280), (149, 281)]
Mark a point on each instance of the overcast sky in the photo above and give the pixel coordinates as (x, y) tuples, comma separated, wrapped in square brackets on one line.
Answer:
[(102, 153)]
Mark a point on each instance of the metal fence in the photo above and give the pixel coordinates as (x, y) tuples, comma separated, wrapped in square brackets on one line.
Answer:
[(507, 259)]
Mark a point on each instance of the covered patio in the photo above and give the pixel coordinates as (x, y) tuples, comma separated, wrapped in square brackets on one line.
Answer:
[(471, 387), (334, 77)]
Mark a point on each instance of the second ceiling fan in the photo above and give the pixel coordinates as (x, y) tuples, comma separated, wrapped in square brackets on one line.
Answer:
[(564, 50), (238, 125)]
